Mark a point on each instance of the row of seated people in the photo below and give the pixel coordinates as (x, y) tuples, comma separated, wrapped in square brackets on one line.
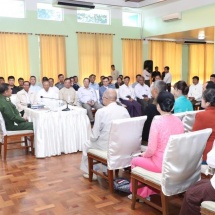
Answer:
[(160, 131), (136, 97)]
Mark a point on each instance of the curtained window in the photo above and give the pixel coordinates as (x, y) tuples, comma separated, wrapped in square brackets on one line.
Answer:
[(165, 53), (132, 58), (52, 56), (95, 53), (201, 61), (14, 56)]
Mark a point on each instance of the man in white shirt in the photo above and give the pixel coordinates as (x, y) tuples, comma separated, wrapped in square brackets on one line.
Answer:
[(147, 75), (203, 190), (143, 94), (137, 80), (51, 83), (101, 129), (88, 98), (25, 97), (114, 73), (34, 88), (168, 78), (195, 91), (67, 93), (93, 84), (47, 95), (127, 97)]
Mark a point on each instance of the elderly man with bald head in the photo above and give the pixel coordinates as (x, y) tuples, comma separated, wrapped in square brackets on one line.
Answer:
[(101, 129)]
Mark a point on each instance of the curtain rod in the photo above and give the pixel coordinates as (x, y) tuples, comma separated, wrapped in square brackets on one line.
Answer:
[(93, 33), (15, 33), (54, 35), (130, 39)]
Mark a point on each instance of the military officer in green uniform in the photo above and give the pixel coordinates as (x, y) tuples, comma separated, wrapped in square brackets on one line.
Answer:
[(10, 113)]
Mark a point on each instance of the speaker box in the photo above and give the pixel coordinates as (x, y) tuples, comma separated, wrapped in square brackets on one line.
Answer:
[(149, 64)]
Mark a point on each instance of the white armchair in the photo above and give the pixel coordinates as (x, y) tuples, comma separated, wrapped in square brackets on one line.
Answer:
[(181, 168), (124, 142), (5, 135), (208, 208)]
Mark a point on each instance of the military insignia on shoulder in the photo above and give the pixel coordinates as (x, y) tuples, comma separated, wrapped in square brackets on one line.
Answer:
[(7, 99)]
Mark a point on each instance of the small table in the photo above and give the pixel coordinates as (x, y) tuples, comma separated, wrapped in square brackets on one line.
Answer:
[(57, 132)]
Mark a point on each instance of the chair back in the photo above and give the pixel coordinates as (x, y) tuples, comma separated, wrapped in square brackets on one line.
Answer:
[(124, 141), (179, 115), (189, 119), (182, 161)]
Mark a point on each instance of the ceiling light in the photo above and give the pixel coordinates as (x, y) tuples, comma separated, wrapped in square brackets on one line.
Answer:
[(201, 35)]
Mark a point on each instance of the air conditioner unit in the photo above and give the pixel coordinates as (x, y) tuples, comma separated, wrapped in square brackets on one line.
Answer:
[(70, 4), (187, 42), (172, 17)]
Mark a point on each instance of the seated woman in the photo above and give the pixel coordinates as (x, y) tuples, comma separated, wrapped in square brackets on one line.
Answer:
[(160, 131), (182, 103), (206, 119), (203, 190)]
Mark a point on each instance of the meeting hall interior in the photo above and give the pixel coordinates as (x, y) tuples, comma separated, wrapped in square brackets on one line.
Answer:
[(107, 107)]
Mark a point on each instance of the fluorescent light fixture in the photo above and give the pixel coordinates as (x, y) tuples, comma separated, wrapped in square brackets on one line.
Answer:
[(201, 35)]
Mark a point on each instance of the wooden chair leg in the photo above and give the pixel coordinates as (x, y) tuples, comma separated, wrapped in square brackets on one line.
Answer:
[(5, 148), (117, 172), (32, 144), (0, 147), (90, 168), (26, 145), (110, 180), (134, 192), (164, 203)]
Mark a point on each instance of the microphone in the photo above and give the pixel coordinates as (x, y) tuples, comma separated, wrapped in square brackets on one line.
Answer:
[(66, 109)]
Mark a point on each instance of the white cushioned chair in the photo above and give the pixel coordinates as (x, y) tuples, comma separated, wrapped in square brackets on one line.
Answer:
[(124, 142), (181, 168), (208, 208), (179, 115), (189, 119), (6, 135)]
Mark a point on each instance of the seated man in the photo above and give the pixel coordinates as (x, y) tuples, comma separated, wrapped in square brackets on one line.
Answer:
[(195, 91), (111, 85), (34, 87), (101, 129), (203, 190), (13, 121), (93, 84), (47, 95), (103, 88), (151, 110), (88, 99), (76, 84), (127, 97), (67, 93), (60, 84), (51, 83), (21, 82), (11, 82), (143, 94), (25, 97)]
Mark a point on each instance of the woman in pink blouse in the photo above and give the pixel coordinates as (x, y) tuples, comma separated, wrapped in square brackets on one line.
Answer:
[(160, 131)]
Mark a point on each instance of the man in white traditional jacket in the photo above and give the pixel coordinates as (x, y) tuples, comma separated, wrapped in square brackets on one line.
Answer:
[(47, 95), (25, 97), (67, 93), (101, 129)]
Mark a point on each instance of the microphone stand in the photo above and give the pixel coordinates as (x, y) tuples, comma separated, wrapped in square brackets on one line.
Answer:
[(66, 109)]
